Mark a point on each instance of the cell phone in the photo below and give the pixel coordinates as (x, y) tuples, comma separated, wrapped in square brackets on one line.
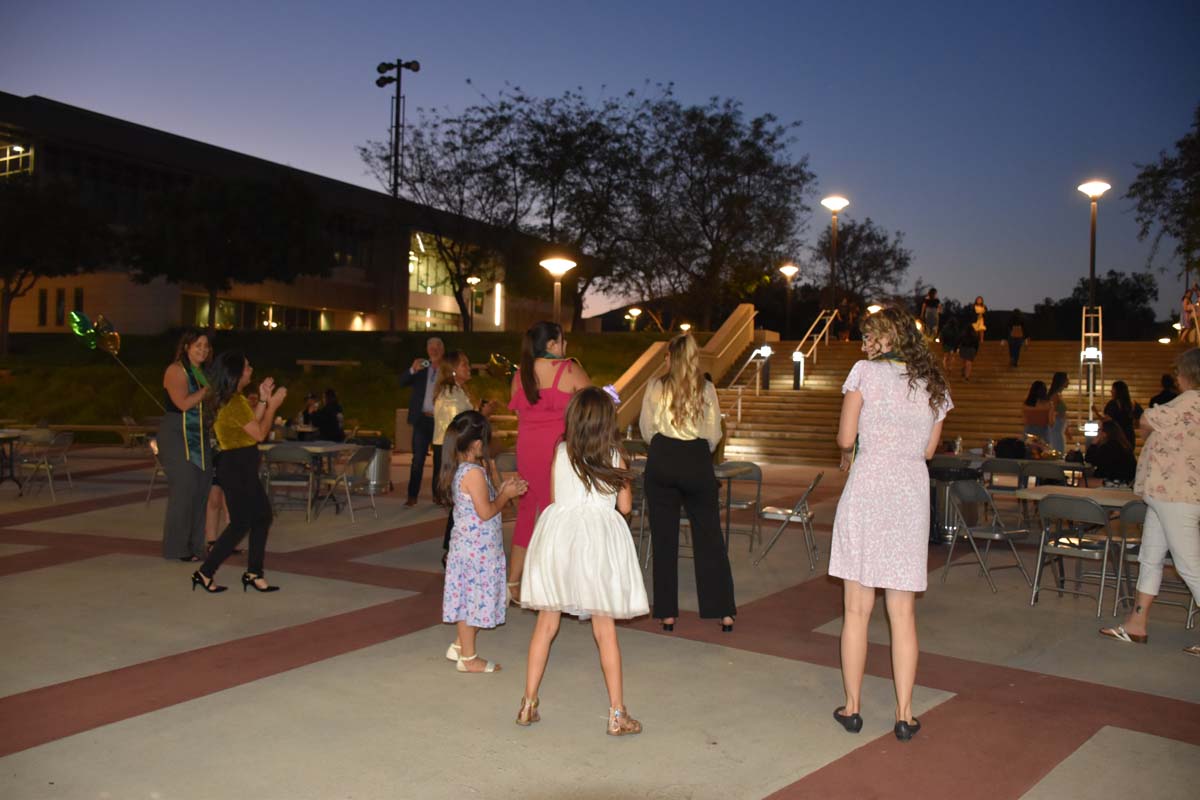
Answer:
[(425, 363)]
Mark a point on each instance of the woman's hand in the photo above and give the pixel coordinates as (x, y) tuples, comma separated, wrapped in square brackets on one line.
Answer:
[(513, 487), (278, 395), (265, 388), (847, 460)]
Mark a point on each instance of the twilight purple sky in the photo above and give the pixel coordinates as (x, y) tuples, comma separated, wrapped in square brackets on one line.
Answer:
[(966, 125)]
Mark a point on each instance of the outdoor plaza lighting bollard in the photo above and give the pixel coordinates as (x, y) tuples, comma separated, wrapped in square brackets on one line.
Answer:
[(797, 369)]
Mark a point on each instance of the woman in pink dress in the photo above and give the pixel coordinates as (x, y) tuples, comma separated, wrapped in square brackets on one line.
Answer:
[(891, 423), (541, 390)]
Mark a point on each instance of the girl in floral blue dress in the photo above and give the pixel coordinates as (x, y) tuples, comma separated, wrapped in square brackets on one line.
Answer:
[(473, 597)]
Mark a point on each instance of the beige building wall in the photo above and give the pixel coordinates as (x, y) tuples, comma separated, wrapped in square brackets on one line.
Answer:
[(132, 307)]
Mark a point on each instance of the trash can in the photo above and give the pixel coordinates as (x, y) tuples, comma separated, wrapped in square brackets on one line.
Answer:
[(941, 521), (379, 469)]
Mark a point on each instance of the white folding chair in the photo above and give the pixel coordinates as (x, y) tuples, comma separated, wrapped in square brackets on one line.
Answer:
[(799, 513), (41, 458)]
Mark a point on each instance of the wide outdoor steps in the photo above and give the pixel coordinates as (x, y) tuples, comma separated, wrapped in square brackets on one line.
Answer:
[(783, 426)]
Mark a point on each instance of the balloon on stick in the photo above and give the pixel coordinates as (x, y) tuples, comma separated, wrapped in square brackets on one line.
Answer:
[(103, 336)]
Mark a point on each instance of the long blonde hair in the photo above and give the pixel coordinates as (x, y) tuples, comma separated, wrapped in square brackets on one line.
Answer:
[(446, 376), (683, 385)]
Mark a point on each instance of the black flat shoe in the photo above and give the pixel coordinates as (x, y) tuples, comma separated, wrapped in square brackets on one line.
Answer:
[(727, 628), (904, 731), (190, 559), (668, 626), (852, 722), (248, 582)]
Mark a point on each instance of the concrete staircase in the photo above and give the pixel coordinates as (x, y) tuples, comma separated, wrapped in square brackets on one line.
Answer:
[(783, 426)]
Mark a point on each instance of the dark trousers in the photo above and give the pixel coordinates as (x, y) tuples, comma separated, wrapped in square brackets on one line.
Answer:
[(679, 476), (249, 510), (422, 440), (1014, 349), (187, 492)]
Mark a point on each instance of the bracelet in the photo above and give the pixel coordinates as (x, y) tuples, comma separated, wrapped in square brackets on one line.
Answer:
[(262, 402)]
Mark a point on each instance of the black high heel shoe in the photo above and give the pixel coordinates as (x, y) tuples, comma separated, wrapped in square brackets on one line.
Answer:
[(904, 731), (727, 628), (668, 626), (248, 581), (851, 722), (210, 586)]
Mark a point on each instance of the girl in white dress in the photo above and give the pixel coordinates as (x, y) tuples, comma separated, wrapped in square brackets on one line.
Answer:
[(581, 559)]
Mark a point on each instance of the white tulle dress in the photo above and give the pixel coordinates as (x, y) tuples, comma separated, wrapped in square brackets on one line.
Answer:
[(581, 559)]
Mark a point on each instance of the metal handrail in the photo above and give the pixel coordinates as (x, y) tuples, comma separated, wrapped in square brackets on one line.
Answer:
[(828, 315)]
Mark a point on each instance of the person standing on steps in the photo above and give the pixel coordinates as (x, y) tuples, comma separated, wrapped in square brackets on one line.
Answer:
[(422, 376), (1016, 337), (891, 423)]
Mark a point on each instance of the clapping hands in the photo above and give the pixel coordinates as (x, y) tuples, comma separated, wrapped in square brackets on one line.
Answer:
[(272, 394), (514, 487)]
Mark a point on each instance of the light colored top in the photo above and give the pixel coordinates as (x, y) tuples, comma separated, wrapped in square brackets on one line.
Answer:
[(1169, 466), (448, 405), (656, 417), (231, 422)]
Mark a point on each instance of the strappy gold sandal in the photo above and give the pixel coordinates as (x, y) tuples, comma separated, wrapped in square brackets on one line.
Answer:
[(528, 713), (621, 724)]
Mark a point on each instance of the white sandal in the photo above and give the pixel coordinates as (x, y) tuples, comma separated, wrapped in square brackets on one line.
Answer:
[(510, 598), (489, 666), (453, 651)]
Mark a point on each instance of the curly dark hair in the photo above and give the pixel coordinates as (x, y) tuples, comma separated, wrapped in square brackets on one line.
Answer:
[(900, 328)]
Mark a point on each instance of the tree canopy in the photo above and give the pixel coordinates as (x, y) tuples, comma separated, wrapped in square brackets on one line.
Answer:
[(214, 232), (871, 262), (1167, 197), (1127, 300), (48, 233)]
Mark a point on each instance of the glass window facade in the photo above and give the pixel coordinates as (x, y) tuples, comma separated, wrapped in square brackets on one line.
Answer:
[(426, 319), (43, 303), (244, 315), (15, 158), (427, 272)]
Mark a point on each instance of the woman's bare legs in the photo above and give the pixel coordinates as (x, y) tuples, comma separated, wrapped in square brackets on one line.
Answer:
[(858, 600), (516, 567), (466, 639), (902, 617), (544, 631)]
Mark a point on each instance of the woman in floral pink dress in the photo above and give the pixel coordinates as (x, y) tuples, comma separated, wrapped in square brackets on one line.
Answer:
[(891, 423), (541, 391)]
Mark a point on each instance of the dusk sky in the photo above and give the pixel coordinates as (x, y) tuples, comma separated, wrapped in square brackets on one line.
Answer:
[(966, 125)]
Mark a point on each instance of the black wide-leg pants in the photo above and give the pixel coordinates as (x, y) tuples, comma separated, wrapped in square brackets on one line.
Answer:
[(679, 476)]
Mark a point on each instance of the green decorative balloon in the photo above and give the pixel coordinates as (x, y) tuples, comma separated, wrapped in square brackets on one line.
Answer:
[(89, 338), (80, 324)]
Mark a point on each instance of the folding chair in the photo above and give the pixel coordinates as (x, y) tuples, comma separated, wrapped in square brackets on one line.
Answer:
[(352, 474), (1133, 514), (800, 513), (289, 466), (1081, 531), (41, 457), (131, 437), (1043, 474), (963, 492), (994, 467), (747, 503)]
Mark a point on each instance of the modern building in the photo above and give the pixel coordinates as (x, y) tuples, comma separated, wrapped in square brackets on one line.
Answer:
[(388, 274)]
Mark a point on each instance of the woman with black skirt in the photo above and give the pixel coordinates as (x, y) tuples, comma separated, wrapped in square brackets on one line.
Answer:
[(681, 420), (239, 428)]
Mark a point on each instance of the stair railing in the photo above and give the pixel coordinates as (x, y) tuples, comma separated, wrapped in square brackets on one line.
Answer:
[(821, 326)]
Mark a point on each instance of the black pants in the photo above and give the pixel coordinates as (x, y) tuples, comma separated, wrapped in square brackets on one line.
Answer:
[(249, 510), (1014, 349), (679, 475), (422, 440)]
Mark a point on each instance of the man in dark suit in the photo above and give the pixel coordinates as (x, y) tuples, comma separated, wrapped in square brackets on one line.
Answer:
[(421, 376)]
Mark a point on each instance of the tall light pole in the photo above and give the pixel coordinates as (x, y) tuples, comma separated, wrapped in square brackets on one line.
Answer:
[(634, 313), (789, 271), (399, 65), (1093, 189), (557, 267), (834, 203), (472, 282)]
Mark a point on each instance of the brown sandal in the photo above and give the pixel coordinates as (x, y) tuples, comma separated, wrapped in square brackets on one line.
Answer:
[(621, 724)]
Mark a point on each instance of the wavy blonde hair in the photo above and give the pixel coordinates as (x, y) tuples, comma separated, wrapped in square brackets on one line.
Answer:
[(898, 326), (683, 385), (446, 377)]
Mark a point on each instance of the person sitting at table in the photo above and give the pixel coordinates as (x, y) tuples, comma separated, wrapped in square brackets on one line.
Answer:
[(1166, 481), (1036, 411), (1111, 454), (1122, 410), (328, 419), (1169, 391)]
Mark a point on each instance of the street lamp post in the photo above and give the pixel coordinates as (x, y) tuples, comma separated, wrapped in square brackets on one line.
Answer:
[(557, 267), (834, 203), (472, 282), (789, 271), (399, 65), (634, 313), (1093, 189)]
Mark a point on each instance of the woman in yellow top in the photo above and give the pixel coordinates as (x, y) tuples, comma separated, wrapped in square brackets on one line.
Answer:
[(239, 428), (681, 421)]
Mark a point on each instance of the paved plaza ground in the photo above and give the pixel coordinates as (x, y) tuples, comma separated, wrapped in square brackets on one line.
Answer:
[(118, 682)]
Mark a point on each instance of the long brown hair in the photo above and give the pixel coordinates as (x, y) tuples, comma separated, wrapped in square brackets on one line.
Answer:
[(591, 438), (446, 371), (898, 326), (186, 340), (463, 431), (533, 344), (683, 385)]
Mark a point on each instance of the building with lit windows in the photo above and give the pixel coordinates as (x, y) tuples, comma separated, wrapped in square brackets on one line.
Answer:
[(121, 166)]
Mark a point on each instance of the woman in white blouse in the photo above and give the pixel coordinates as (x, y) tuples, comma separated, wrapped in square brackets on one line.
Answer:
[(681, 421), (450, 399)]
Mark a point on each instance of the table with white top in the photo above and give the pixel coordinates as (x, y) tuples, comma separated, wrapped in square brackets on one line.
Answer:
[(321, 451), (1108, 497)]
